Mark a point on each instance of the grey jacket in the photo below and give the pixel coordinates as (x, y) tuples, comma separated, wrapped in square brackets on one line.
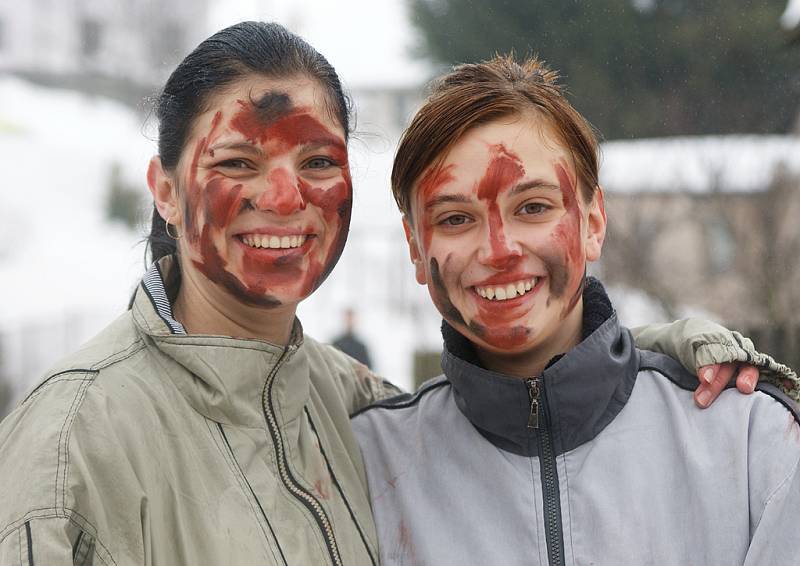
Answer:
[(602, 460)]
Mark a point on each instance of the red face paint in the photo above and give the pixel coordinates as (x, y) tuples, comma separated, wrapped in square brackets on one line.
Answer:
[(504, 169), (567, 237), (502, 172), (215, 202), (428, 185), (297, 127)]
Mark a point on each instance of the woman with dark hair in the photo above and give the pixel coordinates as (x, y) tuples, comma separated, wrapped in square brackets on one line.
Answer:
[(202, 426), (551, 438)]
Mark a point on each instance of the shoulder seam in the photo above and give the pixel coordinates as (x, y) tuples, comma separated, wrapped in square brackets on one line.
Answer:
[(762, 387), (404, 400), (135, 347)]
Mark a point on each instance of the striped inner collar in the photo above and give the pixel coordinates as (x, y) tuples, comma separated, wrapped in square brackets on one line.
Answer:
[(153, 283)]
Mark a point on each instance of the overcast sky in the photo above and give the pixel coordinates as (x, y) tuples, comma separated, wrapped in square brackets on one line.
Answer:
[(367, 41)]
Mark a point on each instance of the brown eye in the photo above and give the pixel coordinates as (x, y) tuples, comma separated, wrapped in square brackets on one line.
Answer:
[(234, 164), (534, 208), (454, 220)]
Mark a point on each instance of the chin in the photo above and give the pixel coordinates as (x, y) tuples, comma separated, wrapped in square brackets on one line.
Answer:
[(508, 339)]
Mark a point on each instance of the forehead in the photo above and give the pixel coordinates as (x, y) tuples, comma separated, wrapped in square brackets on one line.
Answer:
[(278, 96), (528, 137)]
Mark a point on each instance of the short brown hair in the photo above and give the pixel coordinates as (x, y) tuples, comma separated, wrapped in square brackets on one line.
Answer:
[(475, 94)]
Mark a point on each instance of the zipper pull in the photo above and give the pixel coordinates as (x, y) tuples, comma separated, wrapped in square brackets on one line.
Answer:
[(533, 396)]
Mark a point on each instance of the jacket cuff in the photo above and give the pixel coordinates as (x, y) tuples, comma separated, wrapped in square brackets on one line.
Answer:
[(741, 349)]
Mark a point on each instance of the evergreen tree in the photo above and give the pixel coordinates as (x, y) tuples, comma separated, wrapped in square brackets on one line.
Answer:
[(637, 68)]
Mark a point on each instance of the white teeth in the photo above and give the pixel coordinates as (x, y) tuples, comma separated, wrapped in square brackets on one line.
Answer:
[(504, 292), (273, 242)]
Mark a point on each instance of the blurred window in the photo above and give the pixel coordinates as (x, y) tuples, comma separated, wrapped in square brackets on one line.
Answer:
[(721, 245), (91, 32)]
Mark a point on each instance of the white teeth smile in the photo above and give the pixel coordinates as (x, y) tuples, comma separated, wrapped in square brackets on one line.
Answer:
[(274, 242), (505, 292)]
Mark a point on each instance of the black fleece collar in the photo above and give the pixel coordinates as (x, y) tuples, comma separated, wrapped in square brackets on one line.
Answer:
[(582, 390)]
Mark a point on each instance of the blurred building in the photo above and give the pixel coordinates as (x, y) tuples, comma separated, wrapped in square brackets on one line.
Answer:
[(710, 223), (122, 48)]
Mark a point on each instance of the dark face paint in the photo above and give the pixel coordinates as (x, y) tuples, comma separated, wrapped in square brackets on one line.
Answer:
[(276, 126)]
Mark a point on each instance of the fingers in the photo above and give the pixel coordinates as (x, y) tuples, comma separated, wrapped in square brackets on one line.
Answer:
[(747, 379), (713, 380)]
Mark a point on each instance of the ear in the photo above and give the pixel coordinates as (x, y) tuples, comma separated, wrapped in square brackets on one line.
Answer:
[(595, 226), (162, 187), (413, 250)]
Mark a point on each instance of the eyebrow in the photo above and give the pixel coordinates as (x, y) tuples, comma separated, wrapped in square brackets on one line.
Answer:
[(444, 199), (323, 142), (533, 184), (236, 146)]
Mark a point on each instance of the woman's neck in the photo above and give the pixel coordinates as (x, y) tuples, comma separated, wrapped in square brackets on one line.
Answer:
[(204, 308)]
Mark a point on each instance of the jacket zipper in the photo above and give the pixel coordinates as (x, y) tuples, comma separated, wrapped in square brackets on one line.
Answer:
[(310, 502), (539, 419)]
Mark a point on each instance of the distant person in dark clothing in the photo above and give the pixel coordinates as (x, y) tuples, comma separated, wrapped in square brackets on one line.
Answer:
[(349, 343)]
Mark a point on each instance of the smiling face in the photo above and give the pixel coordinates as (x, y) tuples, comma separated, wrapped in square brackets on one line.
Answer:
[(501, 235), (264, 191)]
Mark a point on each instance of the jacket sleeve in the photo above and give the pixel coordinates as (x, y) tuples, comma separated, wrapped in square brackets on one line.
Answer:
[(370, 387), (697, 342)]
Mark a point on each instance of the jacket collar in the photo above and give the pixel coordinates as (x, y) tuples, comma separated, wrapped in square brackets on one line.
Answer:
[(581, 391), (223, 378)]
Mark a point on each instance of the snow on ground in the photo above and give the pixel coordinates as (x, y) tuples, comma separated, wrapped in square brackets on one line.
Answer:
[(65, 271), (697, 164)]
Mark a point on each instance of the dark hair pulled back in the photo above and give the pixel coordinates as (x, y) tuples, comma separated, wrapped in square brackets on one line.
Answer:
[(236, 52)]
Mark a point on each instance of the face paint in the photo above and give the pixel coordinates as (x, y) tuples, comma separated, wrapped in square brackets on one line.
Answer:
[(503, 171), (428, 185), (567, 236), (274, 194), (509, 272)]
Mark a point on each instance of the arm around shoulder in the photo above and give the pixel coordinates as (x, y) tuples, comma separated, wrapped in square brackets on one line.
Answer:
[(697, 343)]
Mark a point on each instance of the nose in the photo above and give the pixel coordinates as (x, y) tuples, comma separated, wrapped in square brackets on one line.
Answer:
[(498, 250), (281, 194)]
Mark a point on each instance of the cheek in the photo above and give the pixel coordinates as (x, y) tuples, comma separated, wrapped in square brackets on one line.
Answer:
[(223, 202), (335, 204), (438, 290), (194, 186), (564, 257)]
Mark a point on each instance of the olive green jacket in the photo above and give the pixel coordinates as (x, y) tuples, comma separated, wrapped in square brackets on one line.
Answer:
[(149, 446)]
